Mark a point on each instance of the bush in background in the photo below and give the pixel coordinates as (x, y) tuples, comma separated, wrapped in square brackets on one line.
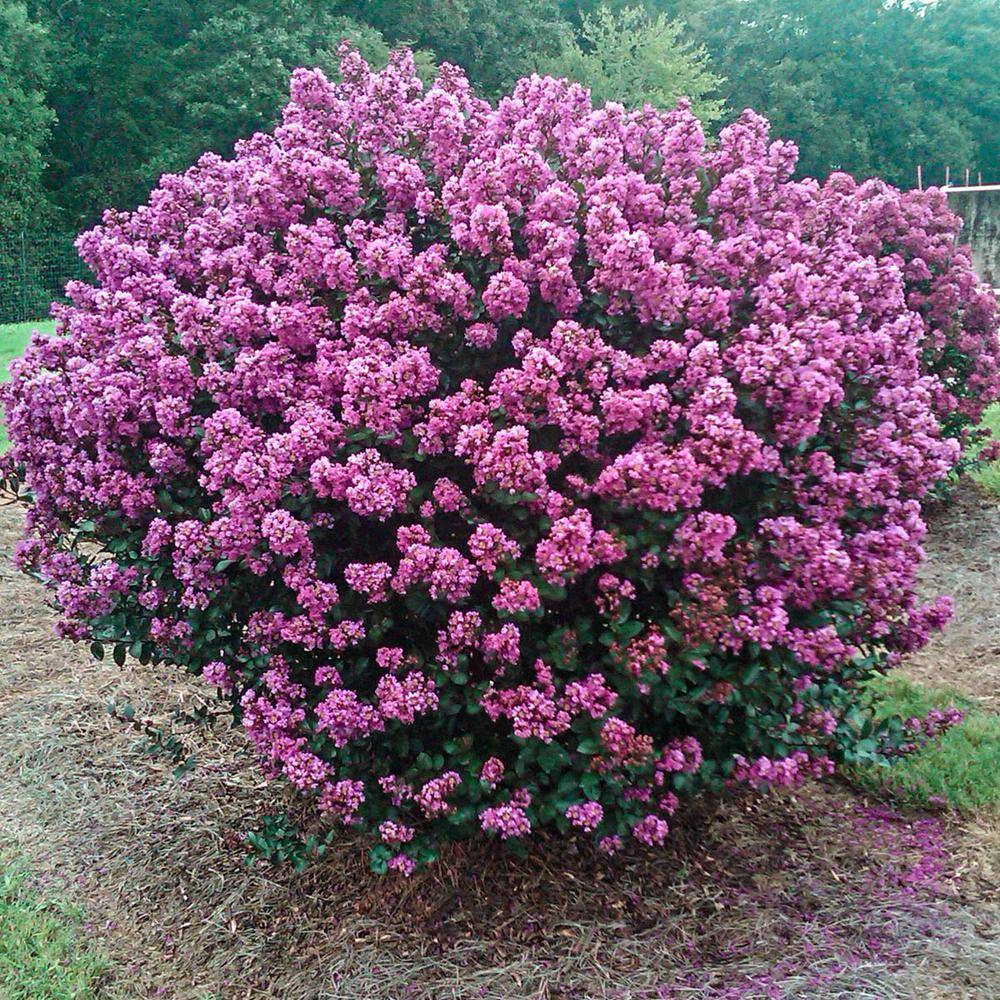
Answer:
[(509, 469)]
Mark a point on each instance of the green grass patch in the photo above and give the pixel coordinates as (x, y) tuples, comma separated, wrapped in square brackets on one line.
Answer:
[(13, 338), (960, 768), (989, 476), (41, 953)]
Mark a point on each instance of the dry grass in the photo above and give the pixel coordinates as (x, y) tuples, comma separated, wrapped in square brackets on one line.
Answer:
[(799, 892)]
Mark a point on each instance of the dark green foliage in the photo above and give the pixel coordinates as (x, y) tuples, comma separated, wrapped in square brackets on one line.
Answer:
[(130, 90), (139, 89), (113, 73), (25, 119), (869, 87), (279, 841), (233, 70), (495, 41)]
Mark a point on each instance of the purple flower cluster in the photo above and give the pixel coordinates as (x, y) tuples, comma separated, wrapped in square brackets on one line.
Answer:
[(507, 467), (919, 730), (935, 722)]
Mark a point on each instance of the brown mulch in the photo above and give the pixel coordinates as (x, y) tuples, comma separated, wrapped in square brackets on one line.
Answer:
[(786, 897), (963, 560)]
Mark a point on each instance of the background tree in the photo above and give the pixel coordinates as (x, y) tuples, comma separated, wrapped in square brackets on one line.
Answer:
[(142, 86), (25, 118), (113, 73), (496, 41), (959, 70), (869, 87), (232, 72), (634, 59)]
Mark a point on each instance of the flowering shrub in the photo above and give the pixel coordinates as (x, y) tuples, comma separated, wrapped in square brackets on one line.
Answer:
[(509, 469)]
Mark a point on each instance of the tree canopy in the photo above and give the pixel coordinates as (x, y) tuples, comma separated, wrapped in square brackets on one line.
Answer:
[(866, 86), (634, 58), (25, 118), (101, 96)]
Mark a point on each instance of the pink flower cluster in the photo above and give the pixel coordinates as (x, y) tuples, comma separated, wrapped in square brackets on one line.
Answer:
[(785, 771), (586, 816), (921, 729), (506, 821), (935, 722), (490, 459)]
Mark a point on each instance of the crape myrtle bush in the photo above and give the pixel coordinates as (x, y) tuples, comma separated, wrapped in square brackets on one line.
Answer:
[(509, 469)]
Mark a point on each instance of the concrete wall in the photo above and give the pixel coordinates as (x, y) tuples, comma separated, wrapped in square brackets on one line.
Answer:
[(980, 211)]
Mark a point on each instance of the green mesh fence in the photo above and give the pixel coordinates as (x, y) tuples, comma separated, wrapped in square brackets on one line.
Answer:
[(34, 269)]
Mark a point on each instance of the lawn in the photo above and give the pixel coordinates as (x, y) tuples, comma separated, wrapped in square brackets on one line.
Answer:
[(989, 477), (960, 769), (13, 337), (41, 955)]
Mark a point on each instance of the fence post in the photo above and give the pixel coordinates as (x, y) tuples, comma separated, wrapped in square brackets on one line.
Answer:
[(24, 279)]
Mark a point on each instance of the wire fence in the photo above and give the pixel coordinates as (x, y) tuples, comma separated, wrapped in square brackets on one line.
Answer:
[(34, 269)]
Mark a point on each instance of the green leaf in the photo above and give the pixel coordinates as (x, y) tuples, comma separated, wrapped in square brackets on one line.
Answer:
[(630, 630), (185, 767)]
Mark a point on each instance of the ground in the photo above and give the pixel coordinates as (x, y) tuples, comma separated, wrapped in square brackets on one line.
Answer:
[(965, 562), (822, 893), (125, 881)]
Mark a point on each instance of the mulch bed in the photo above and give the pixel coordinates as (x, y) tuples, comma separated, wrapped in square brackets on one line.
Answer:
[(818, 893)]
